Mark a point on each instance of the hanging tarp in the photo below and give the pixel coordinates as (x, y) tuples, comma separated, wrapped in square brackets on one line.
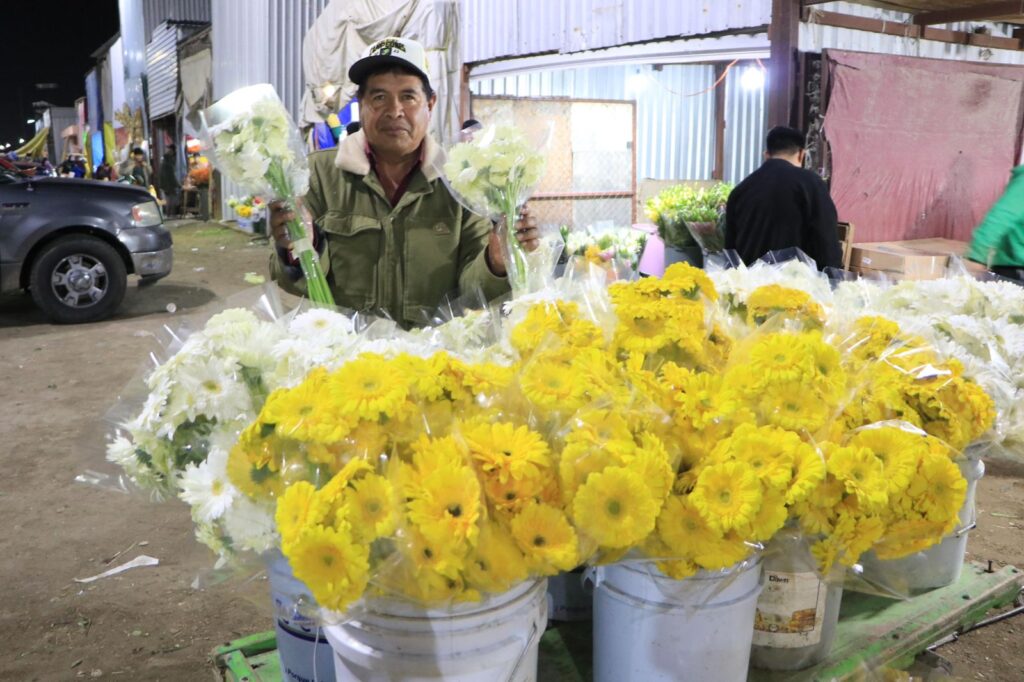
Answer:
[(34, 148), (347, 27), (920, 147)]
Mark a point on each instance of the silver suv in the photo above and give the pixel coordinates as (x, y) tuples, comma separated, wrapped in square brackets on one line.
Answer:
[(73, 243)]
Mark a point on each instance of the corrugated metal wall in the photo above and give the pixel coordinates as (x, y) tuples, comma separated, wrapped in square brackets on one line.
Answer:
[(289, 21), (158, 11), (675, 113), (260, 41), (745, 126), (162, 70), (506, 28)]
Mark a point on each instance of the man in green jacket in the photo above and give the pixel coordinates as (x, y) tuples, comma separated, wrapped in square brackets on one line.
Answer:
[(998, 242), (391, 236)]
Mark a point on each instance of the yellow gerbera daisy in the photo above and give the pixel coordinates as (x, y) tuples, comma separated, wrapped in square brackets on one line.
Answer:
[(496, 563), (546, 538), (373, 507), (904, 538), (651, 463), (766, 450), (550, 383), (770, 517), (334, 568), (293, 511), (938, 488), (615, 508), (794, 406), (683, 530), (259, 482), (487, 378), (368, 387), (898, 449), (513, 494), (449, 503), (507, 450), (780, 358), (728, 495), (302, 413), (723, 553), (430, 551), (682, 280), (861, 474)]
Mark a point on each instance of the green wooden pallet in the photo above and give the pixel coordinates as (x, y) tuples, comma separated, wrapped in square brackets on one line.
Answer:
[(873, 632)]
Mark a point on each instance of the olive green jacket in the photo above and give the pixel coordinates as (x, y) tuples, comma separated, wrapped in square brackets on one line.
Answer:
[(399, 260)]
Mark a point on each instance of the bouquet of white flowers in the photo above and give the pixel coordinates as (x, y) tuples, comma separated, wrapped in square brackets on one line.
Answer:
[(606, 245), (255, 143), (493, 175), (212, 384)]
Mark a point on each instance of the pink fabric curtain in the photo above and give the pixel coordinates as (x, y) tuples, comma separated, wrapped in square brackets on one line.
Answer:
[(920, 147)]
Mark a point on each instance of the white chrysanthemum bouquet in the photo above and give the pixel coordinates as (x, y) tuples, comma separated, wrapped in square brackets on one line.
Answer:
[(255, 143), (212, 385), (494, 175)]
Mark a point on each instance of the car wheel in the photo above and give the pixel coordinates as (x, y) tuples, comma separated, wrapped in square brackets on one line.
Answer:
[(78, 279)]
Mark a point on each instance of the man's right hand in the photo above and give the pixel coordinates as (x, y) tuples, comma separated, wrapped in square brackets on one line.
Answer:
[(279, 217)]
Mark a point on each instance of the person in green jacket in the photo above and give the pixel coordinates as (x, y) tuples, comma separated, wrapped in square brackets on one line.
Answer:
[(392, 238), (998, 242)]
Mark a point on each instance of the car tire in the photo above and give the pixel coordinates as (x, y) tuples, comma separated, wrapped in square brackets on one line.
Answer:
[(78, 279)]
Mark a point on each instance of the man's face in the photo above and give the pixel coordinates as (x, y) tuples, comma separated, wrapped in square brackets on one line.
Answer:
[(395, 113), (138, 158)]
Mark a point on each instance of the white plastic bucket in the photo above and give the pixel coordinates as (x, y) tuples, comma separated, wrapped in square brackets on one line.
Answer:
[(495, 640), (939, 565), (568, 599), (650, 627), (304, 651)]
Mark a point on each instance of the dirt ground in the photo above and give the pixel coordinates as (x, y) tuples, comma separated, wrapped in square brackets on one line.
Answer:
[(150, 623)]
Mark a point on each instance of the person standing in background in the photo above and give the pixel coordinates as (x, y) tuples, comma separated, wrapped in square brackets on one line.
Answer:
[(998, 242), (781, 205), (169, 184)]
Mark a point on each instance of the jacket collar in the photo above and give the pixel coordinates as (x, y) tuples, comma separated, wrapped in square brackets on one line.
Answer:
[(352, 157)]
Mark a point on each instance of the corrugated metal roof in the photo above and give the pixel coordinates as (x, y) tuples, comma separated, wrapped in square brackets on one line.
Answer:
[(493, 29), (158, 11)]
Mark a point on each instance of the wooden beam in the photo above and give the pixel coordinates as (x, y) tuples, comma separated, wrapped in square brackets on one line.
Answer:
[(784, 34), (988, 11), (909, 30)]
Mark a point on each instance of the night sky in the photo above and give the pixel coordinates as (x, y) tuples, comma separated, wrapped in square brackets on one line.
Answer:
[(47, 41)]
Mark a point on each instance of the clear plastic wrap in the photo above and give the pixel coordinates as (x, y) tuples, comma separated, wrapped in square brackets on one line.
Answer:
[(493, 175), (252, 139)]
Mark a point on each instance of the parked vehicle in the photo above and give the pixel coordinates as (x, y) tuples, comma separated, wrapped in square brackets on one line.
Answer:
[(73, 243)]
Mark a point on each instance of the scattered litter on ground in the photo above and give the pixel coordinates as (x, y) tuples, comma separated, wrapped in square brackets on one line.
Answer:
[(171, 308), (141, 560), (199, 269), (253, 278)]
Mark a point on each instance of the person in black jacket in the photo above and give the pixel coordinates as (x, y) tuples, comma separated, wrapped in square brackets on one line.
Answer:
[(781, 205)]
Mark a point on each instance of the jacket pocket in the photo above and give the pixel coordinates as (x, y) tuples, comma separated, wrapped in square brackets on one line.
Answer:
[(431, 265), (354, 248)]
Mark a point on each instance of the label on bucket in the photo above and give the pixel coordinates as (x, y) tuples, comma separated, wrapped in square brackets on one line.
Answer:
[(790, 610)]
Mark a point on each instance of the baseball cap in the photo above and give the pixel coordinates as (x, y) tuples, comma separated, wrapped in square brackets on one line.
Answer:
[(393, 51)]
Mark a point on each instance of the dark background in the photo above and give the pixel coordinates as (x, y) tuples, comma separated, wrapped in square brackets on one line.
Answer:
[(47, 41)]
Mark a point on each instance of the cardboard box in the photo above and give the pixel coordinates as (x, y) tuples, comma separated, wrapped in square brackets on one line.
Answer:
[(911, 259)]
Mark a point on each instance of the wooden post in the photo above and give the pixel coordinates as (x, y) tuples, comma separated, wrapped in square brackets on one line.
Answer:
[(784, 34), (718, 172)]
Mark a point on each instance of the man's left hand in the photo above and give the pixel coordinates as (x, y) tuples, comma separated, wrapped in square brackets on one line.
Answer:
[(527, 235)]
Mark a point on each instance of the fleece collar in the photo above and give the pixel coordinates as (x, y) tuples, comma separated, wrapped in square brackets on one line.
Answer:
[(352, 156)]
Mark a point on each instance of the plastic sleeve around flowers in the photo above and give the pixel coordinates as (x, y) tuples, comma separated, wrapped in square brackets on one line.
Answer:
[(253, 141), (493, 175), (174, 427)]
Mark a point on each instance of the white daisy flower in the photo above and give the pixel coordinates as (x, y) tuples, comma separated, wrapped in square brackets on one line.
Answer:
[(207, 489)]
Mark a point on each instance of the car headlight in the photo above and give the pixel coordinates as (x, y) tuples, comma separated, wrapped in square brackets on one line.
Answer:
[(146, 214)]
